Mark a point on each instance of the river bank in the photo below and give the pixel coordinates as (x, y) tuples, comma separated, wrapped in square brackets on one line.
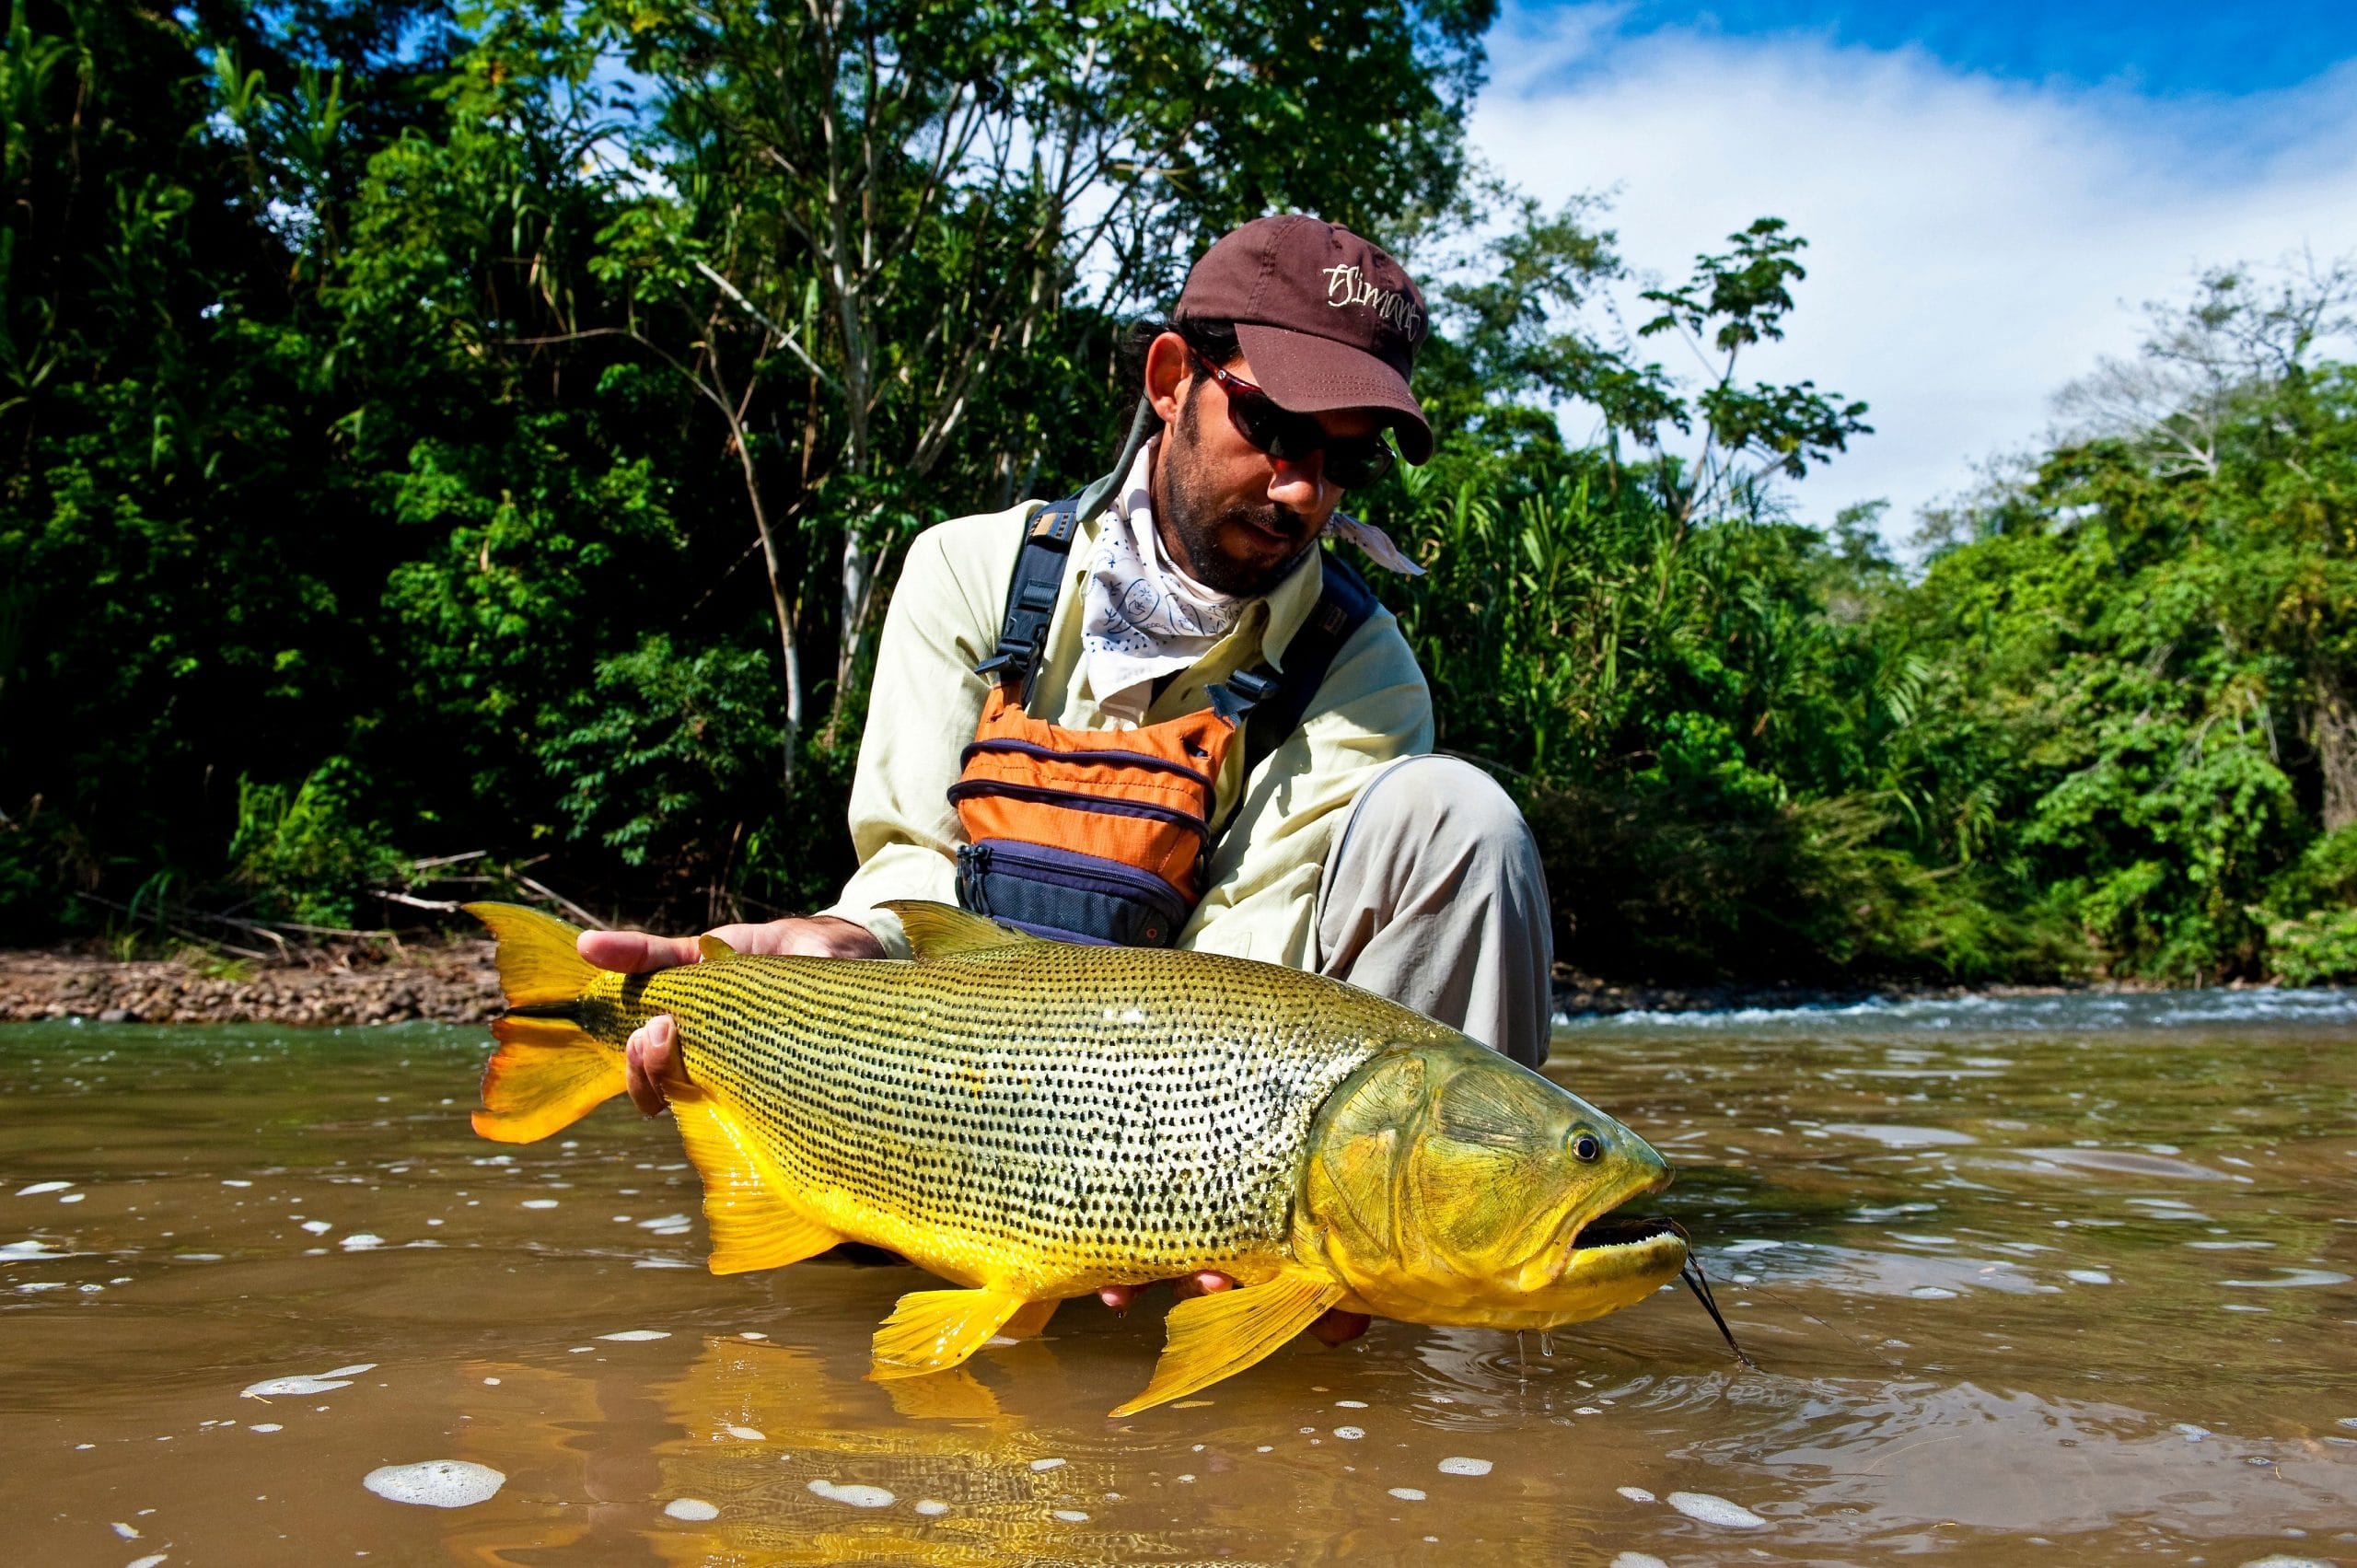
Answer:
[(444, 982), (454, 982)]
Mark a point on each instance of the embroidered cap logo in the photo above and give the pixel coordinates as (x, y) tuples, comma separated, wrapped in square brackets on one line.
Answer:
[(1347, 284)]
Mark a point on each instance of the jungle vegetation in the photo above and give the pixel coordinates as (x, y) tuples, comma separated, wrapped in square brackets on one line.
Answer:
[(461, 446)]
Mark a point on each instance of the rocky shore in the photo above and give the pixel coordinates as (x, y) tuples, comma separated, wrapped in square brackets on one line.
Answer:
[(451, 983), (454, 982)]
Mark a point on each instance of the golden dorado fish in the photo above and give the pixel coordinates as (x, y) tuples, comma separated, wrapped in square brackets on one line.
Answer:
[(1034, 1119)]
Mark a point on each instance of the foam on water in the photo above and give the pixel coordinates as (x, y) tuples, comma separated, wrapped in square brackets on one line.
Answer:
[(633, 1336), (1408, 1494), (37, 1187), (436, 1483), (1638, 1559), (152, 1560), (270, 1387), (361, 1241), (1715, 1510), (2088, 1011), (932, 1507), (693, 1509), (1457, 1464), (853, 1494), (1635, 1493)]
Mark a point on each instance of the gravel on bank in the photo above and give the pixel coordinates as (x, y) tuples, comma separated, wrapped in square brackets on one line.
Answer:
[(449, 982)]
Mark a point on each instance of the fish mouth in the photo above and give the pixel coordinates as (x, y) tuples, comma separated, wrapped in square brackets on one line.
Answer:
[(1625, 1230), (1615, 1260)]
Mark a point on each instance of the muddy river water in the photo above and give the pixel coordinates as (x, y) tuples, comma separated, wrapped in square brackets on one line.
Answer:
[(2043, 1281)]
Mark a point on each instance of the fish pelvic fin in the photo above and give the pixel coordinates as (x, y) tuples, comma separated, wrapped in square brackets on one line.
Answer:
[(752, 1224), (547, 1075), (1219, 1335), (945, 930), (539, 965), (1030, 1319), (931, 1331)]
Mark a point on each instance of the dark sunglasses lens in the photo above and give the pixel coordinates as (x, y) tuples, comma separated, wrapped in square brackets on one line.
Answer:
[(1287, 436), (1356, 465)]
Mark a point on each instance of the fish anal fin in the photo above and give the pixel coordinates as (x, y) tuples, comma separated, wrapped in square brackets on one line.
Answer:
[(547, 1075), (944, 931), (931, 1330), (1219, 1335), (752, 1224), (712, 949)]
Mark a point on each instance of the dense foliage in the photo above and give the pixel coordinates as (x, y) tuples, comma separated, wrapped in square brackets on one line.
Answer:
[(441, 444)]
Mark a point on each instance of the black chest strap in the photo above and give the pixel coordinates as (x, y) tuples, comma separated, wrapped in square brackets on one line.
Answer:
[(1276, 699), (1032, 596)]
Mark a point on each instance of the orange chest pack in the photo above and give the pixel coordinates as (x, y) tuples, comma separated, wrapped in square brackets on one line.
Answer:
[(1102, 835)]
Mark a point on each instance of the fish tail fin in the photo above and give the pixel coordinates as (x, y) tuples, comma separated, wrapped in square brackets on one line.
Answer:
[(547, 1075), (549, 1071)]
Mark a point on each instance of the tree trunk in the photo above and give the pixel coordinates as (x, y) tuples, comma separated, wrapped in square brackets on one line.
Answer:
[(2333, 730)]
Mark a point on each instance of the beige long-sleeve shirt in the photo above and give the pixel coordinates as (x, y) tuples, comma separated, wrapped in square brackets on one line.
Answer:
[(1262, 895)]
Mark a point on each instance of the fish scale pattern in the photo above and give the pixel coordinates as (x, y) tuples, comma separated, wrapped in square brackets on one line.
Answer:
[(1030, 1116)]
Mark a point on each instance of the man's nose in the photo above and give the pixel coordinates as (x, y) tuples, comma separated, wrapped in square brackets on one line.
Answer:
[(1299, 483)]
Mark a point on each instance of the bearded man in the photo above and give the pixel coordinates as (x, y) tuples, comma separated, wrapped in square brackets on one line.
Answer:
[(1180, 602)]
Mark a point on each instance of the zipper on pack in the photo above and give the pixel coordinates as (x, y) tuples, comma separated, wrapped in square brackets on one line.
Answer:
[(967, 789)]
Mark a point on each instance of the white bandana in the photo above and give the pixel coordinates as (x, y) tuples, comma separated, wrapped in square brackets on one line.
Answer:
[(1143, 618)]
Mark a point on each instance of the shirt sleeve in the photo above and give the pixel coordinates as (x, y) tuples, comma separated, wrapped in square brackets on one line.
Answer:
[(1372, 709), (923, 705)]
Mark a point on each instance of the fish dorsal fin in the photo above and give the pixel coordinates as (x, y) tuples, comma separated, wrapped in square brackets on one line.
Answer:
[(944, 931), (712, 949)]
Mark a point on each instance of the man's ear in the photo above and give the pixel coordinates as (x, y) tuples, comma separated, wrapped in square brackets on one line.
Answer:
[(1167, 368)]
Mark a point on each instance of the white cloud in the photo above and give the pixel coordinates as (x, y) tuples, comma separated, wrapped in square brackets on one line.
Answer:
[(1974, 243)]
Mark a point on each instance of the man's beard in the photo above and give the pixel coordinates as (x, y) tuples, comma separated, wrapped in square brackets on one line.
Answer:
[(1197, 520)]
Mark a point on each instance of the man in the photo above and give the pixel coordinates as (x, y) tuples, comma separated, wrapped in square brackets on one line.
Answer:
[(1350, 849)]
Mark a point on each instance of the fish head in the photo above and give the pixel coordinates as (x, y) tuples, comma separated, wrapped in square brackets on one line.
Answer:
[(1448, 1184)]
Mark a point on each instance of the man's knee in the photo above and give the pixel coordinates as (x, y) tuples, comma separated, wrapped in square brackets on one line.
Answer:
[(1447, 803)]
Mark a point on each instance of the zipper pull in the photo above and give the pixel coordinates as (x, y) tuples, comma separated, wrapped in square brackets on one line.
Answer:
[(973, 864)]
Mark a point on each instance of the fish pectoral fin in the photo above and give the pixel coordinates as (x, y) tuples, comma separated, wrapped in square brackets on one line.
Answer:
[(1217, 1336), (711, 949), (752, 1224), (931, 1330), (944, 931), (547, 1075)]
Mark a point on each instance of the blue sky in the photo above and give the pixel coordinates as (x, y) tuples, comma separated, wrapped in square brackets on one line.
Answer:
[(2160, 49), (1990, 193)]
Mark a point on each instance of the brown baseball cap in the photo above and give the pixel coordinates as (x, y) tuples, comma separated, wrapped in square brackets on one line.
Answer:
[(1328, 321)]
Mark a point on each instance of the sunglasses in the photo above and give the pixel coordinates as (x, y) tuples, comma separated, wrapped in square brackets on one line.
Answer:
[(1352, 462)]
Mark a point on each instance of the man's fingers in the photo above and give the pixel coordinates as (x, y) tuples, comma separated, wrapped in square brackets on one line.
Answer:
[(636, 952), (1208, 1283), (650, 1057), (1118, 1298), (1336, 1327)]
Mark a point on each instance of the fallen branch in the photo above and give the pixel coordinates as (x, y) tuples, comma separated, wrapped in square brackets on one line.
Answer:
[(561, 901)]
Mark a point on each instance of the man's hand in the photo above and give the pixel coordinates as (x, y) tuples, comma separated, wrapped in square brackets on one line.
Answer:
[(1334, 1326), (652, 1054)]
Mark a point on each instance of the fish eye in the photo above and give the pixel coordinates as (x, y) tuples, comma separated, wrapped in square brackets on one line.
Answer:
[(1586, 1147)]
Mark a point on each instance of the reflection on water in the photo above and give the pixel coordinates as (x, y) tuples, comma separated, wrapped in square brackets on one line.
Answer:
[(2069, 1270)]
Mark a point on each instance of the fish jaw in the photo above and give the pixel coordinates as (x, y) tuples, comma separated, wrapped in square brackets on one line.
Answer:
[(1444, 1187)]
